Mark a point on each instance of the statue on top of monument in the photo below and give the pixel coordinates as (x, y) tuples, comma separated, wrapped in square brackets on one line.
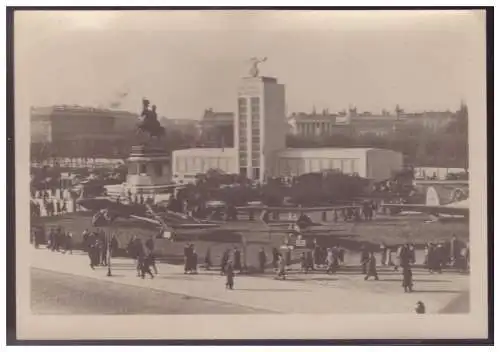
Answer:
[(254, 70), (148, 121)]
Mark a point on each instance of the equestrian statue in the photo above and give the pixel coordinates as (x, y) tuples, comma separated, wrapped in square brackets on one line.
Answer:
[(148, 122)]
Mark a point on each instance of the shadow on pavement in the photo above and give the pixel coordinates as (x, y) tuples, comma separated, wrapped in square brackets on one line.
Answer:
[(418, 280), (270, 289), (437, 291)]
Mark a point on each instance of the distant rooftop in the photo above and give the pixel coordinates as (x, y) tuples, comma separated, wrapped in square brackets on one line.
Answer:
[(78, 108)]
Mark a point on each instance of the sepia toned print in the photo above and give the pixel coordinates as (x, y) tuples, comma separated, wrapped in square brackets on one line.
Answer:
[(250, 171)]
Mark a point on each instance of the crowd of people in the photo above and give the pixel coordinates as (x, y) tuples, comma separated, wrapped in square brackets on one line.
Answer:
[(57, 239), (99, 247)]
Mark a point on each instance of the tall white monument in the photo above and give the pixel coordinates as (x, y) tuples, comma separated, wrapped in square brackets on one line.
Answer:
[(261, 123)]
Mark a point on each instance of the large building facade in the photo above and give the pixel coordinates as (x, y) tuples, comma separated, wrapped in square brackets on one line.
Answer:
[(371, 163), (75, 130), (352, 123), (217, 129)]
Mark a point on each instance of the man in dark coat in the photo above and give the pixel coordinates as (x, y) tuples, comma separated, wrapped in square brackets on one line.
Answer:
[(208, 259), (93, 252), (407, 278), (194, 262), (237, 259), (281, 267), (224, 262), (439, 258), (114, 245), (69, 243), (455, 247), (52, 239), (229, 276), (262, 260), (85, 240), (365, 257), (372, 267), (309, 260), (303, 263), (103, 249), (150, 247), (59, 238), (146, 263), (188, 251), (276, 255)]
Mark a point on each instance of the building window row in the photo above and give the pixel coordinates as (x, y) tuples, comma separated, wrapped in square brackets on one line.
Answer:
[(297, 166), (200, 164)]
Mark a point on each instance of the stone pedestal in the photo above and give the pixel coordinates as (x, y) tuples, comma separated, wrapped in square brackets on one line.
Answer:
[(149, 170)]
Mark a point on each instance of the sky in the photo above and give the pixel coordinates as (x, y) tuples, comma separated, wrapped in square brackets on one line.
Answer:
[(187, 61)]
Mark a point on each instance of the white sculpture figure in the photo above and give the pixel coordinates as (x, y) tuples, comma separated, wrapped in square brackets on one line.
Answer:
[(254, 70)]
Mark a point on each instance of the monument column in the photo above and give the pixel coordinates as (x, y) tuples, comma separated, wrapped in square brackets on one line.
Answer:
[(148, 164)]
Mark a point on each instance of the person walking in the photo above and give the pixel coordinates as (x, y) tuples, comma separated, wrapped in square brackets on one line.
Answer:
[(365, 257), (329, 262), (276, 255), (194, 262), (281, 267), (262, 260), (93, 252), (188, 252), (399, 254), (309, 260), (237, 259), (224, 262), (303, 263), (208, 259), (407, 278), (229, 276), (69, 243), (372, 267), (145, 266), (384, 258), (85, 239), (52, 240), (113, 246)]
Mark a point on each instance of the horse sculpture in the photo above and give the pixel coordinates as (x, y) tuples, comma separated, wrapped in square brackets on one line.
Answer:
[(148, 121)]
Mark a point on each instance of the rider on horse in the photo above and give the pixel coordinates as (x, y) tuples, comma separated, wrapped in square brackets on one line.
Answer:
[(149, 121)]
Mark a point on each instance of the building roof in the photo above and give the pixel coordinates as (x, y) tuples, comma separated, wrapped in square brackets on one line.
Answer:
[(322, 152), (211, 117)]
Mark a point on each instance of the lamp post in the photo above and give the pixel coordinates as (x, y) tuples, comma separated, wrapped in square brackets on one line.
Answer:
[(108, 254)]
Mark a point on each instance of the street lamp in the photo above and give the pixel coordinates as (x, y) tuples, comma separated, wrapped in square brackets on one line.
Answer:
[(108, 254)]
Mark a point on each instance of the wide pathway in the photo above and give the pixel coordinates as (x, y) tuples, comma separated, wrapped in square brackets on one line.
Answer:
[(345, 292), (59, 293)]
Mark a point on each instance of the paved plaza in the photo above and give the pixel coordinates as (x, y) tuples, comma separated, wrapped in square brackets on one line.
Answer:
[(343, 292)]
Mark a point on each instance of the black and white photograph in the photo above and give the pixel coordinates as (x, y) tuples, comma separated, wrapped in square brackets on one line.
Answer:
[(251, 174)]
